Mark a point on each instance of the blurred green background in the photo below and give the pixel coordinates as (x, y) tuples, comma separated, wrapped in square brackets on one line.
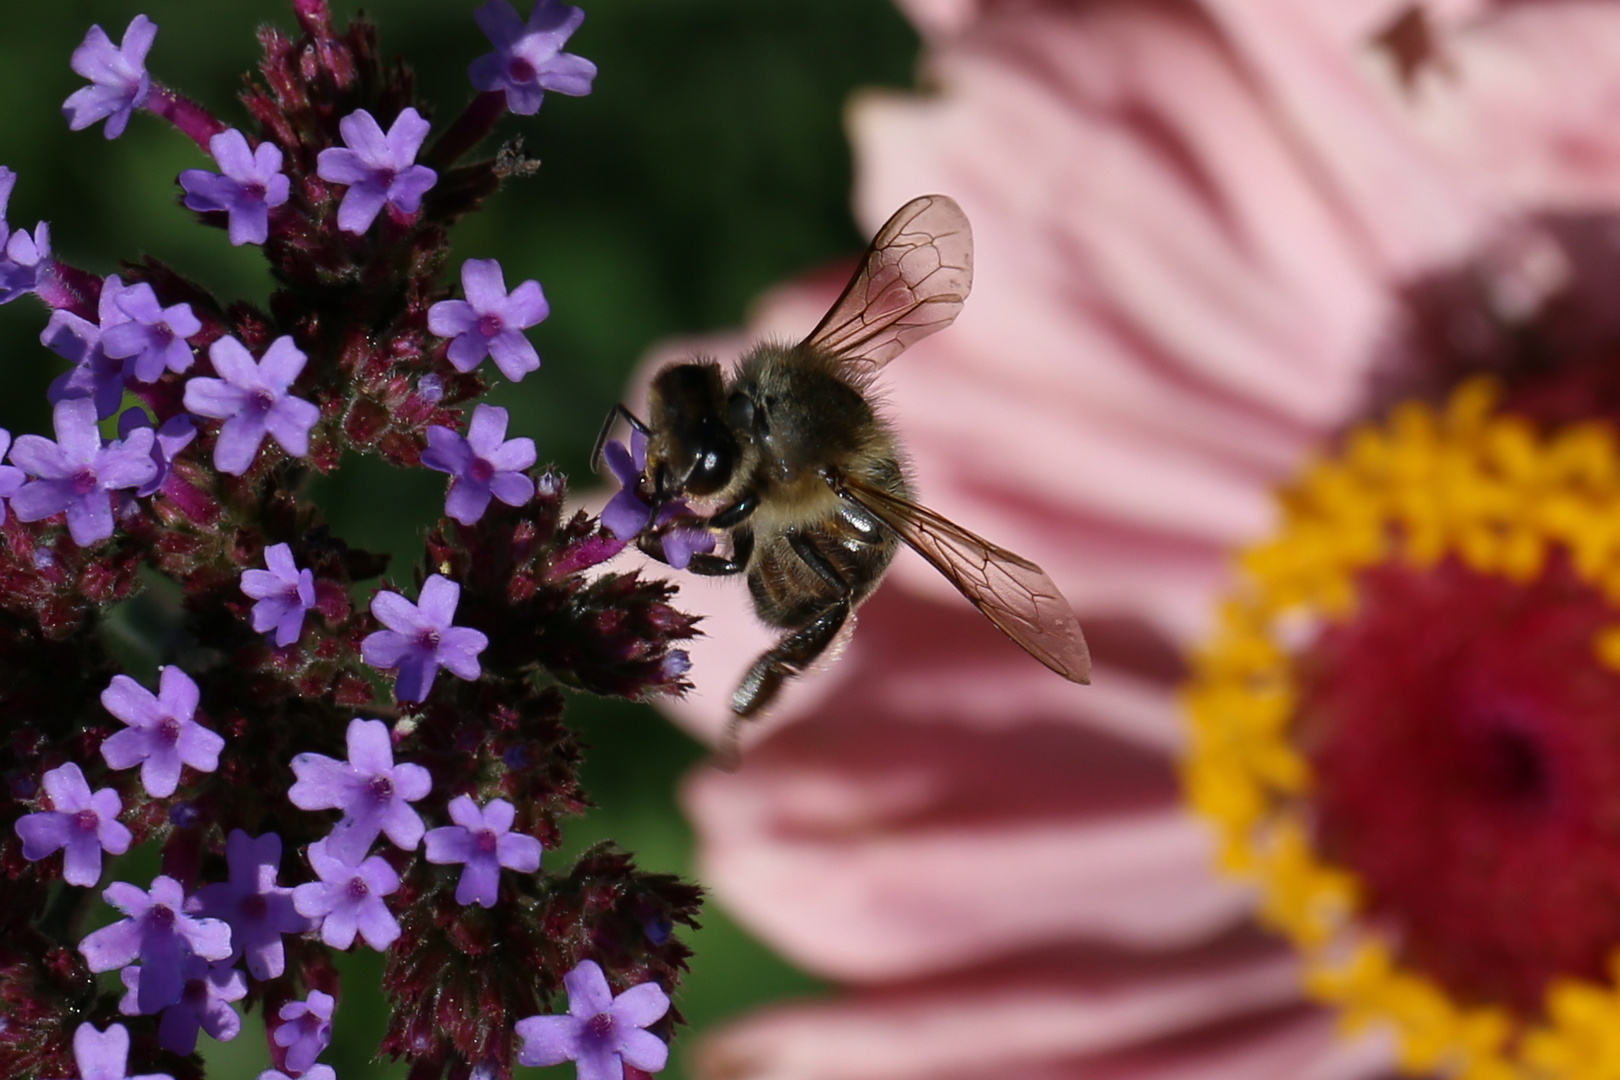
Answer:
[(709, 164)]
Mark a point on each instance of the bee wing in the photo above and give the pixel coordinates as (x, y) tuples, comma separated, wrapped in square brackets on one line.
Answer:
[(1011, 591), (912, 282)]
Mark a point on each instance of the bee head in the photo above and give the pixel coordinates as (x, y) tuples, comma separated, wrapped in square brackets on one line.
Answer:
[(691, 450)]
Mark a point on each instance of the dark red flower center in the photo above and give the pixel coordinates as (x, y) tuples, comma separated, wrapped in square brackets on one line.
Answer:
[(87, 820), (520, 70), (600, 1026), (168, 729), (1465, 748), (255, 906), (380, 788), (160, 916), (481, 471), (358, 889), (254, 191), (486, 840), (428, 638), (83, 481), (490, 325)]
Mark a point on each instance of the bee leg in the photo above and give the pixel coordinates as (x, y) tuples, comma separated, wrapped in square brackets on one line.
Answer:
[(607, 429), (742, 548), (802, 647)]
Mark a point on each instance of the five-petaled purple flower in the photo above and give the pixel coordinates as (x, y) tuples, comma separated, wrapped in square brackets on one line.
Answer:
[(490, 322), (349, 899), (379, 169), (420, 638), (119, 83), (253, 401), (528, 58), (369, 788), (104, 1055), (151, 337), (627, 513), (95, 375), (484, 841), (157, 931), (83, 823), (482, 465), (77, 474), (257, 909), (250, 183), (11, 477), (204, 1004), (305, 1031), (284, 593), (601, 1032), (161, 736)]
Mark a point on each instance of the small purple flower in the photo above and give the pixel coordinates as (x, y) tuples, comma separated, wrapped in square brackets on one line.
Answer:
[(482, 465), (258, 910), (627, 514), (119, 82), (161, 736), (82, 823), (175, 435), (248, 186), (95, 375), (528, 59), (11, 477), (305, 1031), (156, 931), (420, 638), (369, 788), (379, 169), (204, 1004), (253, 401), (26, 263), (349, 899), (284, 593), (601, 1032), (484, 841), (151, 337), (490, 322), (76, 473), (104, 1055)]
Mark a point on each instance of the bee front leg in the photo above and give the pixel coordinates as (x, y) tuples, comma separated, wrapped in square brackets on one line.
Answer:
[(742, 549)]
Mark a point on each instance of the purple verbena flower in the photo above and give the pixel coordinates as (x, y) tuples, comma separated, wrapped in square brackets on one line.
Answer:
[(601, 1032), (369, 788), (284, 593), (157, 932), (151, 337), (175, 435), (104, 1055), (95, 375), (482, 465), (119, 83), (420, 638), (484, 841), (77, 474), (26, 262), (258, 910), (349, 899), (253, 401), (11, 477), (204, 1004), (528, 58), (490, 322), (80, 823), (305, 1031), (627, 514), (250, 183), (379, 169), (161, 736)]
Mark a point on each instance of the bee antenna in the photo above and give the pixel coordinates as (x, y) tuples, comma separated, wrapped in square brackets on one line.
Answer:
[(602, 436)]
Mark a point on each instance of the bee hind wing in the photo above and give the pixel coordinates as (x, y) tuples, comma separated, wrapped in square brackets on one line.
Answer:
[(912, 282)]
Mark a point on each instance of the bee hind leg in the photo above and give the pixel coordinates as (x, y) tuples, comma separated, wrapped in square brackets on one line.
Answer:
[(789, 657)]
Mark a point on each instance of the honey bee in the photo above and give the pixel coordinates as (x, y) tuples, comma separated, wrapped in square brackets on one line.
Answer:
[(806, 476)]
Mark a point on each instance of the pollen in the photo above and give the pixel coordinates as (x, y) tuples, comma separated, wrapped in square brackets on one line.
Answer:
[(1406, 731)]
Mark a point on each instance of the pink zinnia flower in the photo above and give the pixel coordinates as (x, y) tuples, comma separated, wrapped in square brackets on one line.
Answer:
[(1209, 239)]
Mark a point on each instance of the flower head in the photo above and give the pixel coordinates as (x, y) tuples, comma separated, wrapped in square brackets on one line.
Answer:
[(284, 593), (420, 638), (305, 1030), (483, 464), (119, 83), (162, 735), (104, 1055), (378, 168), (204, 1004), (627, 514), (253, 400), (77, 474), (79, 823), (484, 841), (257, 909), (151, 337), (491, 321), (248, 186), (528, 58), (373, 793), (348, 900), (601, 1033), (157, 932)]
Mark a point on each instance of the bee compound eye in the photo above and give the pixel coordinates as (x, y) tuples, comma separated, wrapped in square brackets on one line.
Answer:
[(741, 415), (710, 471)]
